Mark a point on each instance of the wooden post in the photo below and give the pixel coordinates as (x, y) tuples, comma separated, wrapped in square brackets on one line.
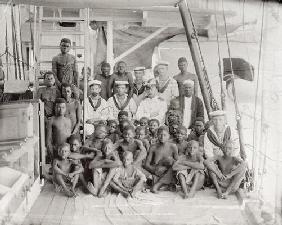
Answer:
[(86, 55), (110, 44), (194, 52)]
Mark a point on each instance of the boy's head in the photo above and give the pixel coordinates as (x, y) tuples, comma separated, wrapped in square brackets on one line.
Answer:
[(49, 78), (65, 45), (75, 143), (182, 64), (175, 103), (105, 68), (144, 121), (154, 125), (228, 148), (100, 131), (199, 125), (66, 91), (181, 133), (173, 116), (127, 158), (122, 115), (95, 87), (107, 147), (121, 67), (61, 108), (140, 132), (192, 148), (173, 129), (163, 134), (123, 124), (128, 133), (112, 124), (64, 151)]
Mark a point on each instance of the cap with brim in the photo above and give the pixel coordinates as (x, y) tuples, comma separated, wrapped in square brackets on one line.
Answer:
[(121, 82), (139, 68), (217, 113), (165, 63), (92, 82), (188, 81), (151, 82)]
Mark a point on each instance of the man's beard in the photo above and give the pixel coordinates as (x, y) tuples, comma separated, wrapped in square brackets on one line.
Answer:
[(94, 94)]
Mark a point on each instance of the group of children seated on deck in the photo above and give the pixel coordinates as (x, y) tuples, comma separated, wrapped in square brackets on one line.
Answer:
[(128, 158)]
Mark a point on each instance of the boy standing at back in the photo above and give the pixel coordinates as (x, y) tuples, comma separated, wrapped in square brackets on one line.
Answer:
[(59, 128)]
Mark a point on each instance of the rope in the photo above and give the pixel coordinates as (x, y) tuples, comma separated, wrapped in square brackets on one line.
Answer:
[(213, 102)]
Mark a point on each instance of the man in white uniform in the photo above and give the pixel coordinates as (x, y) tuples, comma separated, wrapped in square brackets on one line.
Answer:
[(121, 101), (96, 107), (218, 134), (153, 107), (192, 106), (167, 86)]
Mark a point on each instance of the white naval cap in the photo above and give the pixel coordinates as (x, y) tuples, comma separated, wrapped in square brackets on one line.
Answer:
[(140, 68), (165, 63), (92, 82), (151, 82), (121, 82), (188, 82), (217, 113)]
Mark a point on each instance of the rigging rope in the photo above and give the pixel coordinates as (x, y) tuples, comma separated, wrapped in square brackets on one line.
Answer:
[(213, 102)]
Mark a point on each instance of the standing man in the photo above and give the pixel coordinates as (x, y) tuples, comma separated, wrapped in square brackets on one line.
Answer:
[(104, 77), (121, 101), (218, 134), (139, 85), (95, 107), (64, 67), (167, 86), (152, 107), (185, 75), (192, 106), (121, 75)]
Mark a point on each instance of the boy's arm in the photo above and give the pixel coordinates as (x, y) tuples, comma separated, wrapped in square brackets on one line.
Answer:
[(210, 164), (78, 156), (78, 116), (148, 166), (106, 182), (54, 70), (79, 169), (179, 164), (49, 136), (110, 86), (57, 170), (143, 153)]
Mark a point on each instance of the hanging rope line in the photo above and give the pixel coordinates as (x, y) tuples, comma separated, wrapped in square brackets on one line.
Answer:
[(213, 102), (238, 116)]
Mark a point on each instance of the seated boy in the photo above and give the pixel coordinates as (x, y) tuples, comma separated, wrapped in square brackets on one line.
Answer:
[(142, 136), (127, 179), (162, 156), (174, 113), (65, 171), (113, 134), (98, 137), (101, 165), (129, 143), (153, 130), (190, 170), (227, 171), (173, 129), (180, 140), (144, 121)]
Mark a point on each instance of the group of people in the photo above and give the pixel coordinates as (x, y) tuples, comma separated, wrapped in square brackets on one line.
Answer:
[(141, 135)]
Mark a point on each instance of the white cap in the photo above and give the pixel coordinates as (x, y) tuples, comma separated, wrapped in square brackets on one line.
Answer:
[(217, 113), (92, 82), (165, 63), (121, 82), (140, 68), (151, 82), (188, 81)]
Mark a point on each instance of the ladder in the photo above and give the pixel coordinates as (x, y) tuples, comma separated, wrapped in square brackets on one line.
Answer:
[(51, 31)]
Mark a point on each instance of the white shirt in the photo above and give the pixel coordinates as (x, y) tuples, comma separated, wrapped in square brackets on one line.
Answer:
[(113, 110), (171, 90), (100, 113), (153, 108), (187, 111), (211, 150)]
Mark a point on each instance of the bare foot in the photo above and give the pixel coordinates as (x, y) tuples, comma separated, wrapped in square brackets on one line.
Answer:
[(224, 195), (191, 195), (69, 193), (219, 195), (74, 192), (91, 189), (186, 196), (154, 190)]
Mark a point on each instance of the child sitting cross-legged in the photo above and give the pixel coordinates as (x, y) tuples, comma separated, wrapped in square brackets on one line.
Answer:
[(66, 171), (190, 170), (127, 179)]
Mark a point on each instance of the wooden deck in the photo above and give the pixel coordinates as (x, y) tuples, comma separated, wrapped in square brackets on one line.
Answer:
[(165, 208)]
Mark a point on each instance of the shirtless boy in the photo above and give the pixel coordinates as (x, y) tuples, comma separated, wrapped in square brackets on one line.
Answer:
[(162, 156), (129, 143), (140, 134), (113, 134), (153, 130), (58, 128), (66, 171), (127, 179), (190, 170), (180, 140), (98, 137), (227, 171), (101, 165)]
